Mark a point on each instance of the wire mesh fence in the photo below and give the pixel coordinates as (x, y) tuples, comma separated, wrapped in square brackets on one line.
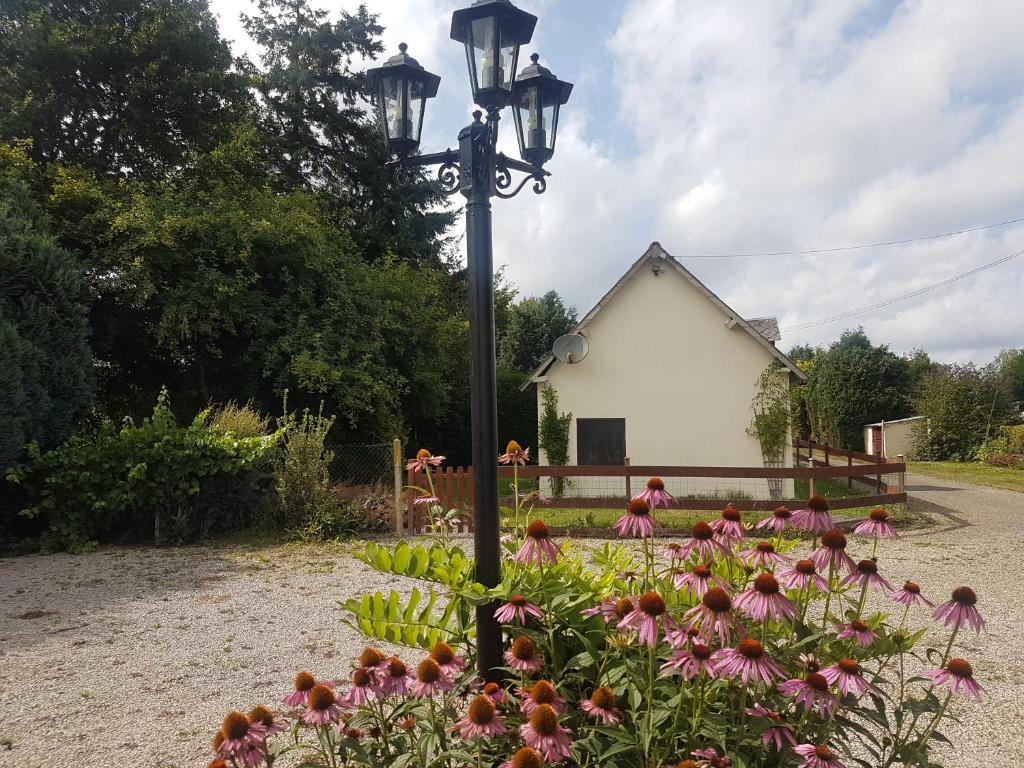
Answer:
[(362, 464)]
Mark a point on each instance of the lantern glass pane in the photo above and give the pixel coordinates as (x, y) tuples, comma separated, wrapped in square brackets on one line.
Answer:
[(549, 114), (415, 96), (485, 52), (508, 52), (395, 97)]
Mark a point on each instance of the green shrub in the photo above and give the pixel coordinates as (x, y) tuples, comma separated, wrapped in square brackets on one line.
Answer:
[(238, 420), (306, 504), (155, 481)]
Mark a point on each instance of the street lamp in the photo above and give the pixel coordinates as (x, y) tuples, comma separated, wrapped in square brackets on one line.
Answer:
[(492, 32)]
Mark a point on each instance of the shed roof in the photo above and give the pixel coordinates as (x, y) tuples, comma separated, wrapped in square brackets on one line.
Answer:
[(764, 330)]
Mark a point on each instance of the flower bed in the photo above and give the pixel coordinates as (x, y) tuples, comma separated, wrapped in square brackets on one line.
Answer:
[(716, 651)]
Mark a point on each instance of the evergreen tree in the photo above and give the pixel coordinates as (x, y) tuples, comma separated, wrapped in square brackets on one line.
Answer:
[(532, 328), (45, 363), (123, 87)]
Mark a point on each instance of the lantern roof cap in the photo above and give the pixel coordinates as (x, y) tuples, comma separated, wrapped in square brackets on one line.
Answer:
[(402, 63), (524, 22), (536, 70)]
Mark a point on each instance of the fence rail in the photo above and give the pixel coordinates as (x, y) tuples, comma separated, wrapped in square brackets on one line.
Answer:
[(454, 485)]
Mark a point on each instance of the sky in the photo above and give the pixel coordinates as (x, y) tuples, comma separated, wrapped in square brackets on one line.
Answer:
[(718, 127)]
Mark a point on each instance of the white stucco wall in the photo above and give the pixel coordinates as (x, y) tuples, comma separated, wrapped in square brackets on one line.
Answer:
[(662, 357), (898, 438)]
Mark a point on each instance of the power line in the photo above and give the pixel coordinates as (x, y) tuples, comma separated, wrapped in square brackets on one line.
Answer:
[(912, 294), (839, 248)]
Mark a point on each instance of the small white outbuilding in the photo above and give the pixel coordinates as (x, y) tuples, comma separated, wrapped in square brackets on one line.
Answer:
[(892, 438), (669, 374)]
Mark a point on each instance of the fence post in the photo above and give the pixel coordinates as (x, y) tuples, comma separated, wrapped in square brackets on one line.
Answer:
[(396, 460), (901, 478), (849, 477), (810, 484), (629, 492)]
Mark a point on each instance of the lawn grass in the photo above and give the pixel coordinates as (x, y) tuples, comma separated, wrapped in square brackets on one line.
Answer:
[(668, 518), (971, 472), (830, 488)]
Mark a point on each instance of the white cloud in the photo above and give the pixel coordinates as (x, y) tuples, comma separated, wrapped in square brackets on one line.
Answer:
[(776, 126)]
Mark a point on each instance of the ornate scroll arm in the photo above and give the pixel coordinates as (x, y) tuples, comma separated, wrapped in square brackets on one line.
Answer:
[(447, 174), (503, 178)]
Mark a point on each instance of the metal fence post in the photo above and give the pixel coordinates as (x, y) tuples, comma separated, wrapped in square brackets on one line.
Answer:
[(396, 457), (629, 491)]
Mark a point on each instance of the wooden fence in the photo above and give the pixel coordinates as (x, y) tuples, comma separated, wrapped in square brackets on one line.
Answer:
[(454, 485), (822, 455)]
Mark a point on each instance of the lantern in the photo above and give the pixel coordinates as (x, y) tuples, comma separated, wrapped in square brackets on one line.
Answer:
[(537, 95), (492, 31), (401, 88)]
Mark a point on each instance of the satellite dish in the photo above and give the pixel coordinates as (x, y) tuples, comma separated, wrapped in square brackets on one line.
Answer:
[(571, 348)]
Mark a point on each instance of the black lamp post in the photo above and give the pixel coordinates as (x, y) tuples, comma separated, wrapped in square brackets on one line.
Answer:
[(492, 32)]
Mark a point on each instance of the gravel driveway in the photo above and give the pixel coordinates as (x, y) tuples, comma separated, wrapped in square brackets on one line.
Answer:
[(131, 656)]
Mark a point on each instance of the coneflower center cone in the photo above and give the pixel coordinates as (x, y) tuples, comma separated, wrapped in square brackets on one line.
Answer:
[(878, 514), (321, 697), (806, 567), (731, 514), (639, 507), (750, 648), (360, 677), (538, 529), (766, 547), (261, 714), (849, 666), (527, 757), (428, 671), (834, 539), (823, 752), (701, 531), (603, 697), (912, 587), (522, 648), (960, 668), (623, 607), (818, 503), (858, 626), (370, 657), (700, 651), (964, 596), (442, 653), (543, 692), (717, 600), (652, 604), (396, 667), (544, 720), (868, 567), (481, 710), (817, 682), (766, 584), (304, 681), (235, 726), (656, 484)]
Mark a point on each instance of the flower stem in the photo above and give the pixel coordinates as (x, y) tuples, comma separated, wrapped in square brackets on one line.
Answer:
[(949, 645), (828, 599)]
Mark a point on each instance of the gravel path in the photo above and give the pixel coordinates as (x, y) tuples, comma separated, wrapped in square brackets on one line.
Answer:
[(131, 656)]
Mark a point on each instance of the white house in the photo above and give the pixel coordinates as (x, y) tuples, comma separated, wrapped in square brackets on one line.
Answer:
[(668, 378)]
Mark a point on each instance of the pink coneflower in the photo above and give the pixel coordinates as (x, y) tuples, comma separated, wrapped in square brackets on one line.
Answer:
[(260, 715), (242, 741), (426, 499), (960, 675), (729, 527), (817, 756), (813, 693), (612, 609), (527, 757), (514, 454), (764, 600), (673, 551), (959, 609), (601, 706), (304, 683), (814, 517), (396, 678), (541, 692), (877, 524), (749, 662), (847, 676), (538, 547), (911, 595), (650, 609), (713, 616), (516, 610), (690, 663), (637, 521), (363, 688), (374, 661), (321, 707), (679, 637), (481, 720), (423, 461), (859, 631), (655, 493), (763, 555), (496, 692), (801, 575), (778, 521), (810, 662), (430, 679), (451, 663), (778, 732), (866, 574), (697, 580), (711, 759), (544, 733), (832, 552), (702, 541), (523, 655)]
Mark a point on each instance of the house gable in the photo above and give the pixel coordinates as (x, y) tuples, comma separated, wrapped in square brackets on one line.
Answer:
[(763, 331)]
